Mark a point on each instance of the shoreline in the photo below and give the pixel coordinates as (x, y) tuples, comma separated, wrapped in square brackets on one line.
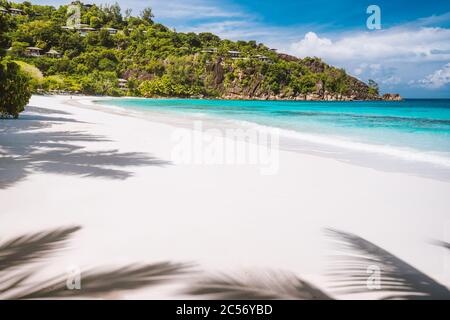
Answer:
[(385, 157), (114, 175), (222, 98)]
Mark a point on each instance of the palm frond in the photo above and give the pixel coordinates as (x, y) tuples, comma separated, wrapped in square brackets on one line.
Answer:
[(29, 248), (397, 277), (258, 285), (98, 282)]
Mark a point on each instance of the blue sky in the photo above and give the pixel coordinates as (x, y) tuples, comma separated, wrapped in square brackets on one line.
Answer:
[(410, 54)]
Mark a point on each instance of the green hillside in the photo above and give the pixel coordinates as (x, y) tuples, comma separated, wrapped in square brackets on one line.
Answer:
[(114, 53)]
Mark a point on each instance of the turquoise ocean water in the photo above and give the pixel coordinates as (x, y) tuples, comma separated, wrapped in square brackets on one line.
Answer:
[(412, 129)]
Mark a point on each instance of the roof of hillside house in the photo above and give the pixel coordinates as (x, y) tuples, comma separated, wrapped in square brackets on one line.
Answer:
[(52, 51), (234, 52), (110, 29), (15, 10), (34, 48), (86, 29), (210, 50), (123, 80), (3, 9), (87, 5)]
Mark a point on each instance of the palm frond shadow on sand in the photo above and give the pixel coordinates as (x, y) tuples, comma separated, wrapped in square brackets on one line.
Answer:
[(399, 279), (256, 285), (20, 258), (443, 244), (26, 148)]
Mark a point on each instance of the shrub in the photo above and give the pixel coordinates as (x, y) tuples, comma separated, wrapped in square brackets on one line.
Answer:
[(15, 89)]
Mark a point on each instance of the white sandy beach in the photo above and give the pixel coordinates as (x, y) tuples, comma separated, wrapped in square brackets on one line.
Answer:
[(67, 163)]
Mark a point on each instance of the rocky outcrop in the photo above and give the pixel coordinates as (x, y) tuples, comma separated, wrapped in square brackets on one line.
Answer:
[(287, 57), (314, 64), (137, 74), (392, 97), (247, 83), (217, 71)]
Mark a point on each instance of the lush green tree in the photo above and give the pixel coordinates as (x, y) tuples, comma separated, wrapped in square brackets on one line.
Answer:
[(4, 40), (373, 87), (100, 83), (14, 89), (14, 85), (147, 15)]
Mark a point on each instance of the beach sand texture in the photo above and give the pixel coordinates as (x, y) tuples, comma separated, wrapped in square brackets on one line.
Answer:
[(66, 162)]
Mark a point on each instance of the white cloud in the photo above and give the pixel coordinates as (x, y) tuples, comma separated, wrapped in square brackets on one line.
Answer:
[(437, 79), (393, 57), (374, 70), (392, 80), (395, 44)]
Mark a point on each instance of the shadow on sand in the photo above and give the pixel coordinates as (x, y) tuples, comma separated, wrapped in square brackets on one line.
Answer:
[(20, 258), (24, 149)]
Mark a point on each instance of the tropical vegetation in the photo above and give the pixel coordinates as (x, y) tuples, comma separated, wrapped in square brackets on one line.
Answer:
[(14, 84), (113, 52)]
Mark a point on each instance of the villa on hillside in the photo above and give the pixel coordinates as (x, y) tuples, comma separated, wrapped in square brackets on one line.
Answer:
[(33, 51), (83, 29), (263, 58), (87, 5), (110, 30), (234, 54), (210, 50), (53, 54), (16, 12), (123, 84)]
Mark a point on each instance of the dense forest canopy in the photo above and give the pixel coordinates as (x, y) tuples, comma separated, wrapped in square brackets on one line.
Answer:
[(114, 52)]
